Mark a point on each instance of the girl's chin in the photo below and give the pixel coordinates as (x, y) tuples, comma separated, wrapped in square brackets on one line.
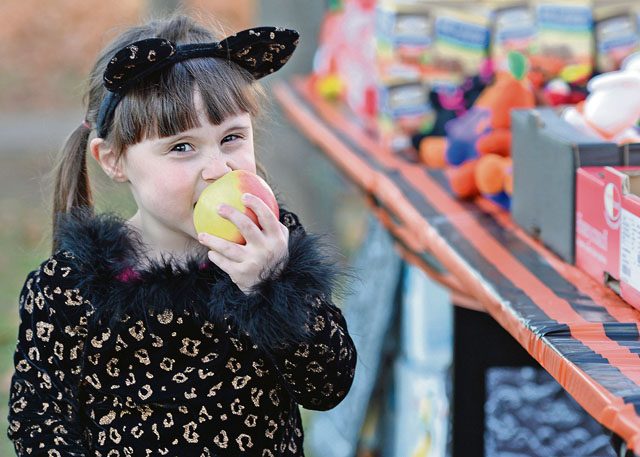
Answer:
[(191, 232)]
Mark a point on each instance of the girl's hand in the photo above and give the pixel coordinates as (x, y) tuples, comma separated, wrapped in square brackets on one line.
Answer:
[(264, 249)]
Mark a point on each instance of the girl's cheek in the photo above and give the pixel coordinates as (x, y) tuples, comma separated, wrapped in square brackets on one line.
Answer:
[(247, 163), (175, 178), (173, 187)]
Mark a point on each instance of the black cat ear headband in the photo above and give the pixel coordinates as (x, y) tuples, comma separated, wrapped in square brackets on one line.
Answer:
[(261, 51)]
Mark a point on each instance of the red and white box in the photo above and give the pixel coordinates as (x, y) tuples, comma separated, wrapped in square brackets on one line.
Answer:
[(608, 228)]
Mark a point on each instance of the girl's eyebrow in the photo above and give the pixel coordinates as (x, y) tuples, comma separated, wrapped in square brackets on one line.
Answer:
[(173, 138), (242, 127)]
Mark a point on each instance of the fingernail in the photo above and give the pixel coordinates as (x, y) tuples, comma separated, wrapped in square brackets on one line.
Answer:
[(200, 237), (245, 197), (221, 208)]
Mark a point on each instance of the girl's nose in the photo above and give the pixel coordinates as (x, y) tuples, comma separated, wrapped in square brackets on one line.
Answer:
[(215, 168)]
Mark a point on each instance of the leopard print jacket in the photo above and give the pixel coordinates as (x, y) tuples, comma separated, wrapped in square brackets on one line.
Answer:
[(173, 360)]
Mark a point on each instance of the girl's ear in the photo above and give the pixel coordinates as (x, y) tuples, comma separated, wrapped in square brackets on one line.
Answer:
[(108, 160)]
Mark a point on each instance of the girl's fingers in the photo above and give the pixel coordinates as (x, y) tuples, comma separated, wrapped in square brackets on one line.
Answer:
[(266, 218), (232, 251), (223, 263), (249, 230)]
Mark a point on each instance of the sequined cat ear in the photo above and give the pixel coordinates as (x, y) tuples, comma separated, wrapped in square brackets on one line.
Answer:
[(261, 50), (137, 60)]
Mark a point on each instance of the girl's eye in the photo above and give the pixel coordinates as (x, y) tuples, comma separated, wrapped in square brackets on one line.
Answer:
[(229, 138), (182, 147)]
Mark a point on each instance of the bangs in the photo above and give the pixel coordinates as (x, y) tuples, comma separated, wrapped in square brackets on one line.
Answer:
[(163, 105)]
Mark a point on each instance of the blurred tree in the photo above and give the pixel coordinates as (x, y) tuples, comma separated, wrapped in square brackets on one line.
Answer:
[(48, 47)]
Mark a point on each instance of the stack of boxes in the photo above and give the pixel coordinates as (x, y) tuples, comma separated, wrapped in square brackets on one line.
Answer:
[(608, 228), (547, 151), (404, 38), (393, 53), (570, 188)]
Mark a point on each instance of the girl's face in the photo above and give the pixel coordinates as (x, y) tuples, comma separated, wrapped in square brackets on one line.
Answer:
[(167, 175)]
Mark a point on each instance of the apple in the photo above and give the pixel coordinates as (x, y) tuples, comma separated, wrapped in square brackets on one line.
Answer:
[(229, 190)]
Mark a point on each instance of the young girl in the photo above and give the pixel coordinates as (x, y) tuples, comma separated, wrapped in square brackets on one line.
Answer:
[(142, 337)]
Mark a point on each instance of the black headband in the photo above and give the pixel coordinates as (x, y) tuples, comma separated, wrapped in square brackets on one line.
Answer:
[(261, 51)]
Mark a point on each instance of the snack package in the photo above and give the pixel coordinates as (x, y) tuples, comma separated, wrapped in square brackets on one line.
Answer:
[(513, 29), (461, 42), (403, 105), (404, 34), (617, 35), (564, 37)]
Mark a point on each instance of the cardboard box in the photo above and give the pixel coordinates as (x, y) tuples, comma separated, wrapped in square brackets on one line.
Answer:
[(608, 228), (546, 153)]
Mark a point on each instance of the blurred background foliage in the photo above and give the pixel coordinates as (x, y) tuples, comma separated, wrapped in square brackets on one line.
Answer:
[(48, 47)]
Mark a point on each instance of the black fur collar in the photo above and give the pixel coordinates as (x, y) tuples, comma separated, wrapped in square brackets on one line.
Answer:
[(274, 313)]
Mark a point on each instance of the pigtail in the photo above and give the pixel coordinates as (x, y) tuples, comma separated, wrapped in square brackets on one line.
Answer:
[(72, 188)]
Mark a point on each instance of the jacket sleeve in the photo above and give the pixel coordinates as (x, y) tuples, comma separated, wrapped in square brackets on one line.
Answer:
[(291, 317), (319, 370), (43, 398)]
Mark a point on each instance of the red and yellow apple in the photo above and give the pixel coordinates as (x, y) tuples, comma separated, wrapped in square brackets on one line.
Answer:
[(229, 190)]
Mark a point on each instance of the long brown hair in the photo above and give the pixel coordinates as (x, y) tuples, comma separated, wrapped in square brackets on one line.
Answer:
[(160, 105)]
